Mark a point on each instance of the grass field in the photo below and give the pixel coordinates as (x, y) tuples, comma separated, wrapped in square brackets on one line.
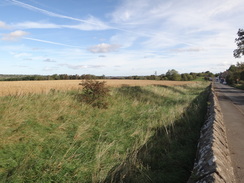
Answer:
[(147, 134), (26, 87)]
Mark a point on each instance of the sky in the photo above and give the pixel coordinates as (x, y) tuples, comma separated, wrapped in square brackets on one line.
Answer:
[(118, 37)]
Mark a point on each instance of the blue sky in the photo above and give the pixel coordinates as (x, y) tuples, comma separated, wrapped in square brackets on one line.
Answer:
[(118, 37)]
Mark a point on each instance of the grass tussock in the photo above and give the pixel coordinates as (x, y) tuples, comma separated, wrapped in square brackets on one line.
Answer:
[(147, 134)]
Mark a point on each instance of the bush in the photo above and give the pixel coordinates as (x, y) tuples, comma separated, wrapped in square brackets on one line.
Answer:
[(94, 93)]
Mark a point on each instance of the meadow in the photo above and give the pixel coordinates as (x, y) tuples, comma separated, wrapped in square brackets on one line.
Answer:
[(148, 133)]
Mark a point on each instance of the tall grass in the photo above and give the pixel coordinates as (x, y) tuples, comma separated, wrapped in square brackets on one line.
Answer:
[(55, 138)]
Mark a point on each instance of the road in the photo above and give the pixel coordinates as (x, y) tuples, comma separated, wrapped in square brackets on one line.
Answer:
[(231, 101)]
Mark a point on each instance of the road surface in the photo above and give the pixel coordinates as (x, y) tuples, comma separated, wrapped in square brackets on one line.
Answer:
[(231, 101)]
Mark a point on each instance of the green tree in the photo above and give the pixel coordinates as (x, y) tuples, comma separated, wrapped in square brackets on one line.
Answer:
[(240, 44), (235, 73), (184, 77), (173, 75), (194, 75), (242, 75), (189, 77)]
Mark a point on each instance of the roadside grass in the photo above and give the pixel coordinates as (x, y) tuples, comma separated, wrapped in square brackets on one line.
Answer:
[(168, 155), (54, 138), (239, 86)]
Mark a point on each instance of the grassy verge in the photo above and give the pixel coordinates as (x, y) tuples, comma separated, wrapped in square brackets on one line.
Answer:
[(239, 86), (147, 132)]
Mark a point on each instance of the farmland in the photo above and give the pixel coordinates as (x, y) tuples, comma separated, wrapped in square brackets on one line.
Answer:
[(26, 87), (148, 133)]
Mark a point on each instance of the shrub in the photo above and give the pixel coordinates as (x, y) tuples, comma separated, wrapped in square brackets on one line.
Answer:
[(94, 93)]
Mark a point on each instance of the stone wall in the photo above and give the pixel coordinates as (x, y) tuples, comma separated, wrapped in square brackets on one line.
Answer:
[(212, 163)]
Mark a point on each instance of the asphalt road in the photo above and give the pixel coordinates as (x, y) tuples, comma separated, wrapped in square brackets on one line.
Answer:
[(231, 101)]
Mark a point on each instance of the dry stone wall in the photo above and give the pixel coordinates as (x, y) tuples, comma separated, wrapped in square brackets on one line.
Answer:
[(213, 163)]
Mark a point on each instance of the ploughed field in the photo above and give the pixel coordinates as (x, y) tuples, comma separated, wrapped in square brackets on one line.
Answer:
[(147, 133), (26, 87)]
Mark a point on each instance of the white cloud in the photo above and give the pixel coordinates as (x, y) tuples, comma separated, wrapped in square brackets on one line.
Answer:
[(76, 67), (94, 24), (188, 50), (48, 69), (104, 48), (185, 12), (129, 12), (88, 24), (13, 36), (3, 25), (35, 25), (20, 54), (119, 39), (50, 42), (28, 59), (21, 66), (225, 64), (49, 60), (91, 23), (170, 22)]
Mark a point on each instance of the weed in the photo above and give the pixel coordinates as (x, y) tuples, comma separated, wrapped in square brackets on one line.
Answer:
[(94, 93)]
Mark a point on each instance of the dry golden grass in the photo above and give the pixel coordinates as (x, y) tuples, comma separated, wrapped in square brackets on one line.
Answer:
[(28, 87)]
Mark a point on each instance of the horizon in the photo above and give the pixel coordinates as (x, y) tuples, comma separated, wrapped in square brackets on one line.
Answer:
[(117, 38)]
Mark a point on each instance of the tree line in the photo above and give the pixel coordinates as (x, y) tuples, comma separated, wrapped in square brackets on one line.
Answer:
[(171, 74), (48, 77), (174, 75), (234, 76)]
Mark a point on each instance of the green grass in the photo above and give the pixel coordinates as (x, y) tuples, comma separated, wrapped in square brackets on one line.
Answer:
[(239, 86), (199, 79), (147, 134)]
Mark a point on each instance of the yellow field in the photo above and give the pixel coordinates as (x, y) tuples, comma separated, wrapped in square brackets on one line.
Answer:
[(28, 87)]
